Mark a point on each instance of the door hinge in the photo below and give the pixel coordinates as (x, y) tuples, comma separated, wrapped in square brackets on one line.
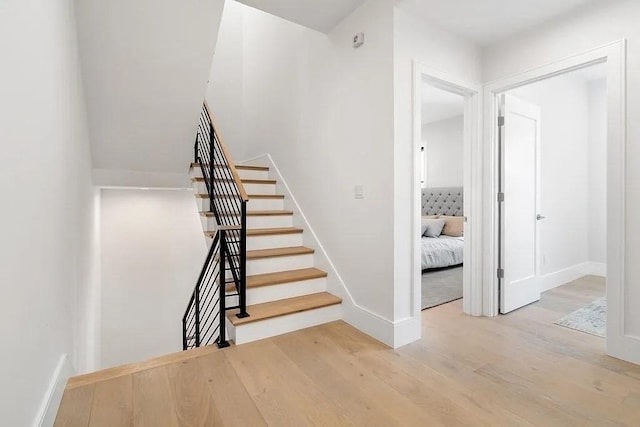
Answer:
[(500, 197), (500, 120), (500, 273)]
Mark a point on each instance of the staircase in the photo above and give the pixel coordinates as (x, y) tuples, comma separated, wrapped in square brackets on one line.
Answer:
[(284, 291)]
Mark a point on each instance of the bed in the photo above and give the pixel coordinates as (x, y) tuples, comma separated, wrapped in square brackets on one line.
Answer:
[(444, 250)]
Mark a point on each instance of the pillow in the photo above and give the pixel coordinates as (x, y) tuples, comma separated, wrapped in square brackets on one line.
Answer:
[(424, 227), (432, 227), (453, 225)]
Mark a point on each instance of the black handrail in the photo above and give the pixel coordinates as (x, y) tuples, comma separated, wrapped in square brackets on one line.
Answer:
[(228, 203)]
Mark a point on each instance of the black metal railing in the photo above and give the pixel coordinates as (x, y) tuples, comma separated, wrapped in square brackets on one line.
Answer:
[(226, 260)]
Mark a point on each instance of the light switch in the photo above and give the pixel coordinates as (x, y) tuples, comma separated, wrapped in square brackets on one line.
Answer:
[(358, 192)]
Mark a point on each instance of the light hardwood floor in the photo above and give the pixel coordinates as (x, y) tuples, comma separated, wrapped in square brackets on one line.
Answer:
[(518, 369)]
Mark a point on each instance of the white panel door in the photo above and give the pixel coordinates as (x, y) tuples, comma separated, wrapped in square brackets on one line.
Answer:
[(520, 183)]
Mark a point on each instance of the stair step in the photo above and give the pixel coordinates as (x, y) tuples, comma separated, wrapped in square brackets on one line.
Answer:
[(268, 279), (269, 310), (252, 213), (238, 167), (279, 252), (281, 277), (258, 181), (272, 253), (250, 196), (254, 232), (265, 196), (244, 181), (252, 168)]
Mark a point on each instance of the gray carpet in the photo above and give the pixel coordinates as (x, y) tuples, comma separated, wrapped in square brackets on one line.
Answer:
[(441, 286), (591, 318)]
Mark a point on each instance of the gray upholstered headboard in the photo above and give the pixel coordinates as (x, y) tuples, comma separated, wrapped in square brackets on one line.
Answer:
[(442, 201)]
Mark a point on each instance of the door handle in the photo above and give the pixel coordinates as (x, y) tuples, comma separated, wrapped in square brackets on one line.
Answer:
[(539, 217)]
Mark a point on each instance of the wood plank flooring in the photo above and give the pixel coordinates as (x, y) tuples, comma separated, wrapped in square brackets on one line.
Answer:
[(518, 369)]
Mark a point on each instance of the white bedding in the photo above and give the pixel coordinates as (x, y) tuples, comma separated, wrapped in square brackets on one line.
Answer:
[(443, 251)]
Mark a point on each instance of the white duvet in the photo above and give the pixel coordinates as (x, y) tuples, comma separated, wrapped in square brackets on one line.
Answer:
[(443, 251)]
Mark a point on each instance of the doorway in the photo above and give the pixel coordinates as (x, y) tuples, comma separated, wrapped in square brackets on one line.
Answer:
[(445, 105), (553, 197), (612, 58)]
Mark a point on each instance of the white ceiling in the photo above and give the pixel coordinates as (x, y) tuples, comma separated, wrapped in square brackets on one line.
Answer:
[(319, 15), (487, 21), (438, 104), (481, 21)]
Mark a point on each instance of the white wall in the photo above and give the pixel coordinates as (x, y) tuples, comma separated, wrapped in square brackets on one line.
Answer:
[(443, 141), (45, 182), (224, 91), (416, 39), (152, 250), (597, 171), (146, 65), (320, 107), (595, 26)]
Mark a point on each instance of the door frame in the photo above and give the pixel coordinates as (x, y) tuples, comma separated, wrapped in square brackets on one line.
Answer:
[(472, 183), (619, 344)]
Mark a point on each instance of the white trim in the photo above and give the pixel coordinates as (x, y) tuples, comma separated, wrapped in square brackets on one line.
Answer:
[(597, 269), (49, 408), (472, 91), (566, 275), (360, 317), (619, 343)]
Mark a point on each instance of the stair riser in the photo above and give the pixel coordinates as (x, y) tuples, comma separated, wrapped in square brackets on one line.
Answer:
[(253, 174), (276, 264), (203, 204), (265, 204), (201, 187), (281, 291), (252, 205), (278, 241), (275, 221), (281, 325), (260, 188), (195, 173)]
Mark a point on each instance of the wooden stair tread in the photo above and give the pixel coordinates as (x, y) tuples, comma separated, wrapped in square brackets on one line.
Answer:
[(278, 252), (265, 196), (258, 181), (289, 276), (252, 168), (274, 252), (269, 213), (254, 232), (251, 196), (238, 167), (251, 213), (269, 310), (244, 181), (281, 277)]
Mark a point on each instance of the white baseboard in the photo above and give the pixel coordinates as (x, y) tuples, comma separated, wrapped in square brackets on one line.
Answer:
[(557, 278), (371, 323), (49, 408)]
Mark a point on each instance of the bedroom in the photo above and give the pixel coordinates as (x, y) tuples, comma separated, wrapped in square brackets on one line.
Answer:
[(442, 232)]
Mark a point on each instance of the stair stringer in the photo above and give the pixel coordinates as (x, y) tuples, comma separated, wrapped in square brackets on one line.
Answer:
[(367, 321)]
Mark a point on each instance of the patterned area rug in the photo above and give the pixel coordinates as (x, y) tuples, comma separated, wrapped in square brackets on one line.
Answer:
[(591, 318), (441, 286)]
